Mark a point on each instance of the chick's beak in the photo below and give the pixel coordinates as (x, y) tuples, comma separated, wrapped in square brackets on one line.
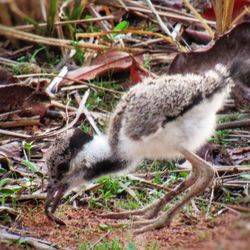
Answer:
[(52, 201)]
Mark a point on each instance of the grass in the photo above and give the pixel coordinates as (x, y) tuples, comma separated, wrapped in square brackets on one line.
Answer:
[(111, 195), (219, 137), (104, 245), (116, 245)]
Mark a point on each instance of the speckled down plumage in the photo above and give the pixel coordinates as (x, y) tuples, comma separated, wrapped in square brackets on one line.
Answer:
[(149, 105)]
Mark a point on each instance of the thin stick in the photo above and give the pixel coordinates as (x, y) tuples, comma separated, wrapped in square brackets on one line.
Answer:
[(78, 113), (243, 13), (11, 32), (89, 117), (234, 124), (199, 17), (123, 4), (99, 240), (165, 14), (139, 32), (68, 126), (149, 183), (34, 242), (164, 27), (53, 86), (21, 123), (73, 80), (30, 26), (14, 134)]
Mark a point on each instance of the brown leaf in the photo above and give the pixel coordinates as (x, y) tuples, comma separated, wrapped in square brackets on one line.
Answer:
[(12, 149), (137, 71), (109, 62), (239, 155), (6, 77), (21, 97), (199, 37), (213, 153)]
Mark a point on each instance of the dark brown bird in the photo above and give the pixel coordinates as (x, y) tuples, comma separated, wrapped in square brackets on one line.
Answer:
[(164, 118)]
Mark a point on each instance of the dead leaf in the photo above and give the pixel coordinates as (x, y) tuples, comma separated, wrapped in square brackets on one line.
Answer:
[(240, 155), (137, 71), (239, 5), (199, 37), (24, 98), (109, 62), (214, 154), (12, 149), (6, 77)]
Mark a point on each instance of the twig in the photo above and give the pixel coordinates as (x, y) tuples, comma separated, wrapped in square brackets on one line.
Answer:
[(20, 123), (243, 13), (62, 106), (234, 124), (99, 240), (97, 19), (90, 119), (149, 183), (199, 17), (219, 169), (40, 196), (102, 23), (8, 210), (37, 243), (163, 13), (11, 32), (14, 134), (68, 126), (139, 32), (210, 201), (130, 192), (72, 80), (73, 87), (164, 27), (78, 113), (53, 86), (123, 4)]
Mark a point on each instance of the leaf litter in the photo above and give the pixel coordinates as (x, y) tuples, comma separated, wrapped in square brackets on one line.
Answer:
[(108, 63)]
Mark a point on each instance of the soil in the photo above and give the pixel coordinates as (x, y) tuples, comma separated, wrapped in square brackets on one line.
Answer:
[(228, 231)]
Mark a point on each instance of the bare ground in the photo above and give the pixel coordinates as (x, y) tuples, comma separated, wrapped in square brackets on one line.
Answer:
[(227, 231)]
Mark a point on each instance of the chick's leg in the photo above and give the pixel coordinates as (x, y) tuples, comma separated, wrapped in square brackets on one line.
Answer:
[(202, 174), (153, 209)]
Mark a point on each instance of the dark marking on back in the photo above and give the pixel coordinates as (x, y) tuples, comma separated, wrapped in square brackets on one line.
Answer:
[(197, 99), (78, 139), (104, 167)]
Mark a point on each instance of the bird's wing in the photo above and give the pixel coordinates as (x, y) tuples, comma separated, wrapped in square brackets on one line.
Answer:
[(149, 107)]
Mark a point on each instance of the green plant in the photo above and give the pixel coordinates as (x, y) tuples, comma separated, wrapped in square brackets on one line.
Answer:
[(146, 62), (79, 55), (104, 245), (30, 165), (123, 25), (27, 146), (219, 137), (152, 246), (51, 15)]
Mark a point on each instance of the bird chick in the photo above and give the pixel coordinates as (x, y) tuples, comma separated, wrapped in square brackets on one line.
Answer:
[(164, 118)]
